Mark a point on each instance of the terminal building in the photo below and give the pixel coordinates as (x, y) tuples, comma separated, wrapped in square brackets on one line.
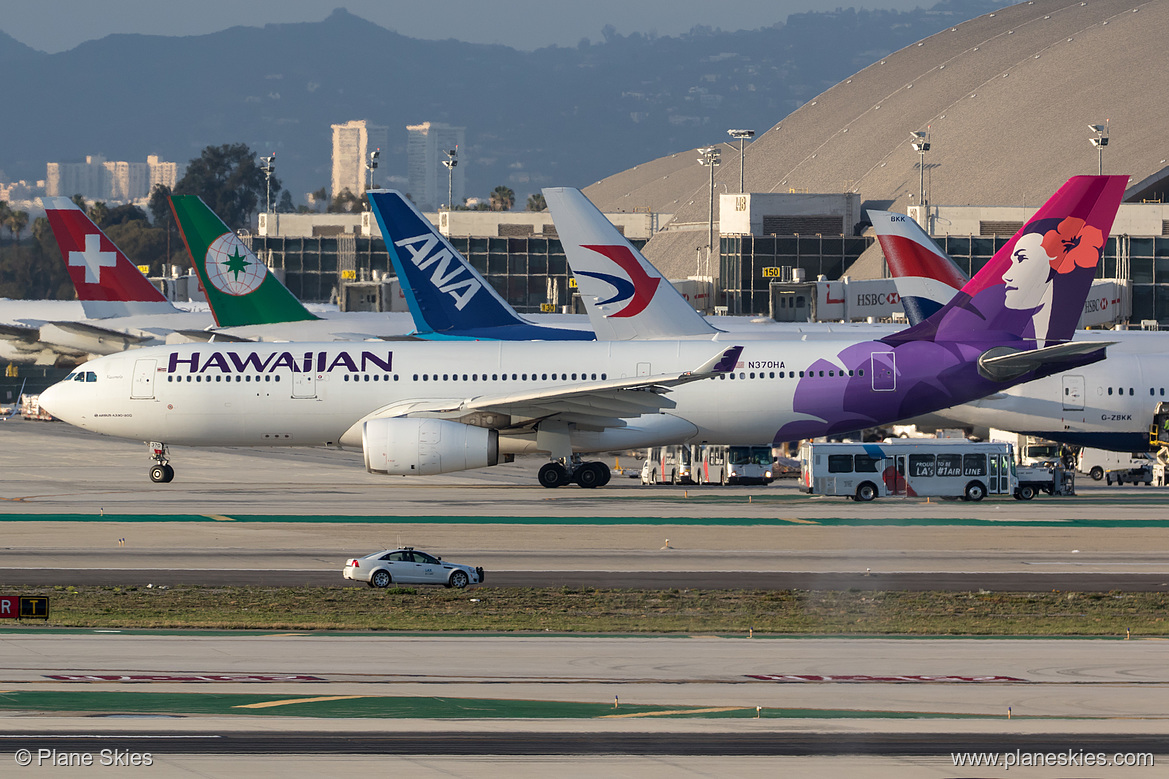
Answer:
[(991, 96)]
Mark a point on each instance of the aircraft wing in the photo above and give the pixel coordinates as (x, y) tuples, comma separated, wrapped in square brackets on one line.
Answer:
[(593, 404)]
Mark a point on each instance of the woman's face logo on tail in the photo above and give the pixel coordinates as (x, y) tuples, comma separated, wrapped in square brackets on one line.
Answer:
[(1026, 278)]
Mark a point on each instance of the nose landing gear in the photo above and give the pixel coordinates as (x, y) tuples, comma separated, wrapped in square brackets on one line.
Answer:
[(161, 472)]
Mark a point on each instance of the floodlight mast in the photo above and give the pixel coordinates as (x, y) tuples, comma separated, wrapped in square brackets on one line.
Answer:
[(268, 164), (711, 158), (451, 162), (1099, 140), (921, 144), (371, 165), (741, 136)]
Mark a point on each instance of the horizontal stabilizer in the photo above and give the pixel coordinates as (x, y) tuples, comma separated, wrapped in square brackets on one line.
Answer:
[(209, 336), (1005, 364), (19, 333)]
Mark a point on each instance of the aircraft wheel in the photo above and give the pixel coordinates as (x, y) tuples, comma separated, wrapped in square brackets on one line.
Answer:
[(552, 475), (588, 476), (606, 474), (158, 474), (169, 476)]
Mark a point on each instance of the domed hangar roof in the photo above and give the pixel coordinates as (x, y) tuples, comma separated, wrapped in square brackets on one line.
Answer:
[(1007, 99)]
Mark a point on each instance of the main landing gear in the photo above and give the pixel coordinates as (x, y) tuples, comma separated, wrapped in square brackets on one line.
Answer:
[(161, 472), (566, 467), (587, 475)]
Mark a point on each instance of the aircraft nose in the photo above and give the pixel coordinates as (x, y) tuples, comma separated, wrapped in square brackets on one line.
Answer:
[(53, 399)]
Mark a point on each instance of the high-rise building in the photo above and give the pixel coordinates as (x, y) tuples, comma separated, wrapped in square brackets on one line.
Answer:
[(111, 182), (426, 149), (352, 143)]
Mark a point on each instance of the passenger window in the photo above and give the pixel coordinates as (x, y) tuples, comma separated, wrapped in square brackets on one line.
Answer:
[(863, 463), (949, 465), (1110, 390), (974, 465), (1131, 391), (839, 463), (921, 465)]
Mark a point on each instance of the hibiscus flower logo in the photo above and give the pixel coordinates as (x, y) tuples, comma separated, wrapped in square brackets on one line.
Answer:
[(1073, 244)]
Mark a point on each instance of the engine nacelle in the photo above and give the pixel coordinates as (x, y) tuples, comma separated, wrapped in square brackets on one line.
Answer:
[(424, 447)]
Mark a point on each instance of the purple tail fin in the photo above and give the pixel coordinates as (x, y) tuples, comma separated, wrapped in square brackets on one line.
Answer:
[(1032, 291)]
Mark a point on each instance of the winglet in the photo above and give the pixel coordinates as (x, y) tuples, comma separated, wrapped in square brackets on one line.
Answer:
[(724, 362), (107, 283)]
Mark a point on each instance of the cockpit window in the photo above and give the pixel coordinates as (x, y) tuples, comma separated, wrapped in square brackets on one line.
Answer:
[(79, 376), (70, 376), (90, 376)]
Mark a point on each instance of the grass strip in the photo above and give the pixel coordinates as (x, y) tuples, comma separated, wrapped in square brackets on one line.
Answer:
[(399, 707), (589, 610)]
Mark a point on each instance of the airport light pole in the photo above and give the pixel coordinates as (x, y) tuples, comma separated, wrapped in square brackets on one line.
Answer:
[(1099, 140), (451, 162), (268, 164), (711, 158), (741, 136), (371, 165), (921, 144)]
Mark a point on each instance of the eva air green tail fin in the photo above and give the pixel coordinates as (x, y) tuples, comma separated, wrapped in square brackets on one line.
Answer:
[(239, 288)]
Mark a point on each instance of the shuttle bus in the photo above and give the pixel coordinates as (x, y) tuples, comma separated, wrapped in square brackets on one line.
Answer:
[(921, 468), (708, 464)]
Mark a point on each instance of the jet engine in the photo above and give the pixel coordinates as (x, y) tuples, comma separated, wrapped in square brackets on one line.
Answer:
[(424, 447)]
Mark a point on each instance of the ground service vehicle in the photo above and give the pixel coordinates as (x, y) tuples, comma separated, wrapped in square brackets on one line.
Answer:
[(1116, 466), (668, 465), (721, 464), (936, 468), (409, 566)]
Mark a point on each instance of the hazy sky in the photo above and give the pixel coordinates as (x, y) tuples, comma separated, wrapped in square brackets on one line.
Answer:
[(58, 25)]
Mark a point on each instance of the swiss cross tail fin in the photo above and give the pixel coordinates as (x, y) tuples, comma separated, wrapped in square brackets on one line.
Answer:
[(107, 283)]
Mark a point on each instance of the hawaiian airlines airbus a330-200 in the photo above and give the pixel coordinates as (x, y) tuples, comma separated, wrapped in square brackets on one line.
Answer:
[(428, 408)]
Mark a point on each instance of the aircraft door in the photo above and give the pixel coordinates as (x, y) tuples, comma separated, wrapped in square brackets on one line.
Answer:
[(304, 385), (884, 370), (1073, 393), (142, 387)]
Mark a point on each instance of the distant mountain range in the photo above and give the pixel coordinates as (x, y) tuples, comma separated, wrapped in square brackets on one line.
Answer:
[(554, 116)]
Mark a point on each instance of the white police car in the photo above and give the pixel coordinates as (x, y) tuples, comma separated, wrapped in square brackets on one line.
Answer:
[(409, 566)]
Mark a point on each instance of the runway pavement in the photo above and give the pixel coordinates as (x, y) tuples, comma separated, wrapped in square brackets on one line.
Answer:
[(293, 516)]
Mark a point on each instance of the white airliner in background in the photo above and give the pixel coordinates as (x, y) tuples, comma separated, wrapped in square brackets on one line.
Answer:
[(434, 407)]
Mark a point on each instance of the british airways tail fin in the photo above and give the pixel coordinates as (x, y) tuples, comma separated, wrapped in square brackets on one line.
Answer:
[(107, 283), (447, 296), (925, 276), (1032, 291), (625, 296), (239, 288)]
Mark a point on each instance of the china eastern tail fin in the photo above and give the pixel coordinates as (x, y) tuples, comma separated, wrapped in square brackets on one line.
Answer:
[(625, 296), (239, 288), (107, 283), (925, 276), (1032, 291), (446, 295)]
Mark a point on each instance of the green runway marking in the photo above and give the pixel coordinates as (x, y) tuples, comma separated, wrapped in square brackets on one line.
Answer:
[(786, 521), (390, 707)]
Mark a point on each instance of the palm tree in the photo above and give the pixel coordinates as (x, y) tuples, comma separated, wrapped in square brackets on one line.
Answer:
[(99, 212), (16, 222), (536, 202), (5, 212), (502, 198)]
